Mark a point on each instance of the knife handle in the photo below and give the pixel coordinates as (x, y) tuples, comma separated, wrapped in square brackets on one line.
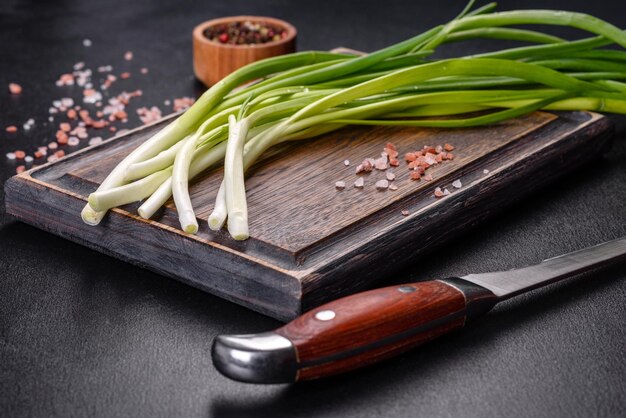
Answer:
[(352, 332)]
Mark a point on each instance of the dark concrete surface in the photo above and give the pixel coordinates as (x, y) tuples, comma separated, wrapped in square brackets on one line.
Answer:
[(83, 334)]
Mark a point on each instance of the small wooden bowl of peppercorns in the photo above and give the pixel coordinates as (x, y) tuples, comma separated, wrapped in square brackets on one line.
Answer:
[(220, 46)]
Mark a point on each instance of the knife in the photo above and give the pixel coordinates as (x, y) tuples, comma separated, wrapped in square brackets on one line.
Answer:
[(367, 327)]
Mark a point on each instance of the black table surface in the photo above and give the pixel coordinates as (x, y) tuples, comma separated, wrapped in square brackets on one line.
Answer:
[(84, 334)]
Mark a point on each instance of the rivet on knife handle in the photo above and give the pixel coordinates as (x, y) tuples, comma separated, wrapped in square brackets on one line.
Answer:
[(352, 332)]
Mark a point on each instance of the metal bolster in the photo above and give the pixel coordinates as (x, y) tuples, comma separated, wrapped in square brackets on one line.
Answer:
[(478, 300), (255, 358)]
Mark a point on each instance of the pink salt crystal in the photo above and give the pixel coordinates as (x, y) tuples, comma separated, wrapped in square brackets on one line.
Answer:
[(144, 70), (382, 184), (73, 141), (15, 88), (340, 185), (391, 176), (393, 187), (365, 166), (95, 140), (128, 56), (359, 183), (53, 145), (428, 177), (381, 163), (392, 153), (438, 192), (405, 213)]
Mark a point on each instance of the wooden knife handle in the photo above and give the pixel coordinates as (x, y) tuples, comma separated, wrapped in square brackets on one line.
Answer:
[(367, 327), (351, 332)]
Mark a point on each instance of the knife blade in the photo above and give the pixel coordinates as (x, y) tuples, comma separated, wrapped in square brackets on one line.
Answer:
[(370, 326)]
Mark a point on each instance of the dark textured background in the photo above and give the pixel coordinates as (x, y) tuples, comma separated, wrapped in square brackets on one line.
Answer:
[(84, 334)]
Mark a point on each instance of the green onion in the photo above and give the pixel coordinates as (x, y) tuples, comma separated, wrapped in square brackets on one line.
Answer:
[(303, 95)]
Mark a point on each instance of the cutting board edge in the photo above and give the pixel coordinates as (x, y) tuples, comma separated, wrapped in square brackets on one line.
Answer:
[(270, 290)]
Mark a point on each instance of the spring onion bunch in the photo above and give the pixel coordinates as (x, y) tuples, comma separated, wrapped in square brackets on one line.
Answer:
[(306, 94)]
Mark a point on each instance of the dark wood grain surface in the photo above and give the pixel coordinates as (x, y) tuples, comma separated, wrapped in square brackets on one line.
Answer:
[(311, 243)]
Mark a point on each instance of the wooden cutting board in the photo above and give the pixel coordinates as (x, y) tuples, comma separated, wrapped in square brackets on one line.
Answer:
[(311, 243)]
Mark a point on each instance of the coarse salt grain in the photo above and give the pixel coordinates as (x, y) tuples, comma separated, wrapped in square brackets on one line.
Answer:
[(340, 185), (10, 155), (405, 213), (144, 70), (73, 141), (95, 140), (381, 163), (457, 184), (393, 187), (382, 185), (391, 176), (53, 145), (485, 171), (28, 159), (346, 162), (128, 55), (446, 192), (87, 43), (359, 183), (15, 88)]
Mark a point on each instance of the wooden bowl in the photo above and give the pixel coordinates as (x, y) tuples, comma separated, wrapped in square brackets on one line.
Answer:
[(212, 61)]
